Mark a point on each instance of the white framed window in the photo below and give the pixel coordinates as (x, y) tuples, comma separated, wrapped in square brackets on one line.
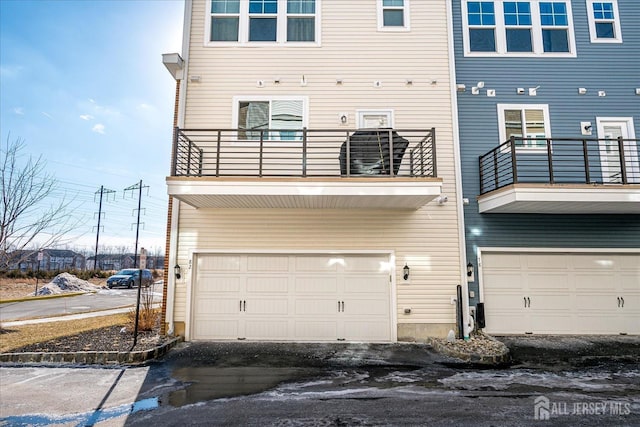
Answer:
[(604, 21), (286, 116), (518, 28), (393, 15), (373, 119), (524, 121), (262, 22)]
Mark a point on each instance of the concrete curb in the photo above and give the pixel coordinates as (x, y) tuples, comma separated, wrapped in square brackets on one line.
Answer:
[(92, 357)]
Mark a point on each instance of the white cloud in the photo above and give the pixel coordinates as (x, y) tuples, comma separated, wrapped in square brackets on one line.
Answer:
[(98, 128), (86, 117), (44, 113), (144, 106), (19, 111)]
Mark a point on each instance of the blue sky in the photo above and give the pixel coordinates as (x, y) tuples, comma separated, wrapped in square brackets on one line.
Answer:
[(82, 83)]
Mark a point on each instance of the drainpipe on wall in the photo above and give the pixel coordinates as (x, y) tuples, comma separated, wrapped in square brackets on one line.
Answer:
[(458, 173)]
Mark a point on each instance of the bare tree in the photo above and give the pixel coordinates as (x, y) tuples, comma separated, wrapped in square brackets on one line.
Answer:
[(29, 214)]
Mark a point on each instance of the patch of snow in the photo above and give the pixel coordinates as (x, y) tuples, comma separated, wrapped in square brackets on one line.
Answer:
[(67, 283)]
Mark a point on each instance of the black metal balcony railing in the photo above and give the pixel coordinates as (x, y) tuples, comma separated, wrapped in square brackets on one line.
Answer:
[(560, 161), (304, 153)]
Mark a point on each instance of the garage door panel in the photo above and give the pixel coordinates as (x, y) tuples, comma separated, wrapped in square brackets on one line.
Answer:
[(319, 264), (216, 329), (595, 282), (315, 307), (267, 284), (214, 306), (506, 321), (267, 306), (260, 263), (546, 262), (603, 302), (220, 284), (551, 322), (629, 263), (367, 284), (545, 282), (503, 262), (603, 262), (630, 283), (550, 302), (267, 330), (318, 330), (316, 285), (503, 280), (219, 263)]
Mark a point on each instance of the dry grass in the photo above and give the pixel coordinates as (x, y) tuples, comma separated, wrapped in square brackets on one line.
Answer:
[(19, 336), (24, 288)]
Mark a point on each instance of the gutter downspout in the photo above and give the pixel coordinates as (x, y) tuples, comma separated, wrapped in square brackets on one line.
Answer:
[(458, 173), (173, 207)]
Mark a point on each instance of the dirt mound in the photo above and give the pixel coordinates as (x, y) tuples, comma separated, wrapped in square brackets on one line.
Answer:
[(66, 283)]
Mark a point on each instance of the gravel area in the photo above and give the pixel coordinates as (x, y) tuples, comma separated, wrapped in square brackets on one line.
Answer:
[(111, 338)]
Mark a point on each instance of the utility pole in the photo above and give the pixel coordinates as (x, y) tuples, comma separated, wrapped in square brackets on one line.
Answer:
[(102, 192), (138, 187)]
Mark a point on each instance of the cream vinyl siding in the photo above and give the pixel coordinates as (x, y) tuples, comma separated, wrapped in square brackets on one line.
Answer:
[(351, 49)]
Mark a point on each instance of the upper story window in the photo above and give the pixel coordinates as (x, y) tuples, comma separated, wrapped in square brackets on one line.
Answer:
[(604, 21), (524, 121), (518, 28), (393, 15), (262, 22), (285, 116)]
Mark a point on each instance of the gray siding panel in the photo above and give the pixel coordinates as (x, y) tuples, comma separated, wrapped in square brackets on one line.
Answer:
[(614, 68)]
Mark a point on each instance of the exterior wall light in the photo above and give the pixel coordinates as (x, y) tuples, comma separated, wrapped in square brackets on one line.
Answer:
[(470, 276), (176, 270), (405, 272)]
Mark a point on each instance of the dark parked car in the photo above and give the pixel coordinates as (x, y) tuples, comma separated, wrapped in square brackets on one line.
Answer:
[(130, 277)]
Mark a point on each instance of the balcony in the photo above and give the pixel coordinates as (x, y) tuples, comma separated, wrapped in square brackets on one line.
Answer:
[(305, 169), (561, 176)]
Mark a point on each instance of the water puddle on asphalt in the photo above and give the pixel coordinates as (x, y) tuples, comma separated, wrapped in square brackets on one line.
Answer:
[(206, 383)]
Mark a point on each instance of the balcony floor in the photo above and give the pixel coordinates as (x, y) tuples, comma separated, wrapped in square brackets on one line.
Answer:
[(305, 193), (562, 199)]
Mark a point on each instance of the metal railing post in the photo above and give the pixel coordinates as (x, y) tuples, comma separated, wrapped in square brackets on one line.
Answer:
[(189, 159), (433, 152), (514, 167), (391, 170), (201, 151), (174, 160), (496, 180), (623, 165), (261, 153), (348, 154), (585, 152), (411, 163), (481, 169), (218, 153), (304, 152), (550, 160)]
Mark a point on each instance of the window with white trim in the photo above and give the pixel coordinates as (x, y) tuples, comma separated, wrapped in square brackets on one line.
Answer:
[(393, 15), (524, 121), (604, 21), (262, 21), (518, 28), (284, 116)]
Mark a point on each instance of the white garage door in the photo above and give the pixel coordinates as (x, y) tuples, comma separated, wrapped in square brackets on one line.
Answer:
[(292, 297), (560, 293)]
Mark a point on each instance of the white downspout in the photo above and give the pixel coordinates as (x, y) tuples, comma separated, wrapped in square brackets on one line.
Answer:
[(458, 173)]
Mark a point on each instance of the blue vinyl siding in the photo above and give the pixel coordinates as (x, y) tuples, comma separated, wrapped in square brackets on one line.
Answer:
[(613, 68)]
